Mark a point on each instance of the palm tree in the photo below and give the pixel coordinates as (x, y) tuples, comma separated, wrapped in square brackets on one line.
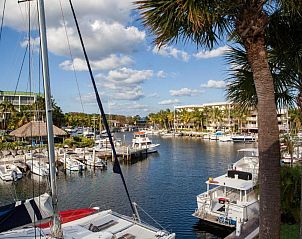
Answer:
[(206, 111), (206, 23), (185, 117), (295, 120), (6, 109)]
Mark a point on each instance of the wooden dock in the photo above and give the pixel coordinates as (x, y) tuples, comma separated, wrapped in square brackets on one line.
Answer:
[(249, 230), (123, 152)]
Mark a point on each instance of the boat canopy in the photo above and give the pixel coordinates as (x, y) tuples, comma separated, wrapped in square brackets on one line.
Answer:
[(235, 183), (21, 213)]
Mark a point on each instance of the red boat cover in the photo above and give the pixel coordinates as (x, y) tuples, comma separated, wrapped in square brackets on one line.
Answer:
[(70, 215)]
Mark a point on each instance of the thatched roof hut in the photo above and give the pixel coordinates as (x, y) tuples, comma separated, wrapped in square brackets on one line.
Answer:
[(36, 129)]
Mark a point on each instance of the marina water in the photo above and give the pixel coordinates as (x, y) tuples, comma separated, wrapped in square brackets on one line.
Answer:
[(164, 184)]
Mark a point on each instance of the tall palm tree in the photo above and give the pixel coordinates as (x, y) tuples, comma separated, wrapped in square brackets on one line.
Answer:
[(207, 22), (6, 109)]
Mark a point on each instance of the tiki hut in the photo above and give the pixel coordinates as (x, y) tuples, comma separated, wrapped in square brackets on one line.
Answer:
[(36, 130)]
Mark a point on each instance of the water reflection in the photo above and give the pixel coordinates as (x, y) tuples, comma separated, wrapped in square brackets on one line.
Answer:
[(165, 184)]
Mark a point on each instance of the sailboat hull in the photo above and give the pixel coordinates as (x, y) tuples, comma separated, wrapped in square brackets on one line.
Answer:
[(101, 225)]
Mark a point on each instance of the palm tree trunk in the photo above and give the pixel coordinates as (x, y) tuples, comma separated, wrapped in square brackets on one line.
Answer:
[(269, 147)]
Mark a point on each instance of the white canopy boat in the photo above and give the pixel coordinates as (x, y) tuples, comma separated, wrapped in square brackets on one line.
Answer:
[(38, 167), (233, 200), (10, 172), (142, 141)]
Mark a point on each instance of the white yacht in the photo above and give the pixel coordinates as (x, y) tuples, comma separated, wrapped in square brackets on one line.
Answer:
[(10, 172), (38, 167), (230, 199), (141, 141)]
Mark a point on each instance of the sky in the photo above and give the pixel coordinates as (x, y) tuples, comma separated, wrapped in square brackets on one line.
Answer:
[(133, 76)]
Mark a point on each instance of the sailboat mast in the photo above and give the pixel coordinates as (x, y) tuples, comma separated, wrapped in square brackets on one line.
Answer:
[(56, 226)]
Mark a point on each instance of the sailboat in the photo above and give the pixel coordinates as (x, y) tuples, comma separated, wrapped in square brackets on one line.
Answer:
[(101, 224)]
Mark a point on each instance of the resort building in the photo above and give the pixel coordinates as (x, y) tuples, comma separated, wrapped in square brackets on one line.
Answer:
[(18, 99), (221, 116)]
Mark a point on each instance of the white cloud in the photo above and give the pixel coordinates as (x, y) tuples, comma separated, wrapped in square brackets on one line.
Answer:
[(152, 95), (127, 76), (216, 84), (183, 92), (161, 74), (101, 40), (171, 52), (211, 54), (128, 94), (105, 26), (168, 102), (109, 63), (124, 83)]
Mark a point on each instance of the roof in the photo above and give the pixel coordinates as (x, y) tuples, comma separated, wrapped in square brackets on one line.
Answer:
[(17, 93), (223, 180), (203, 105), (34, 129)]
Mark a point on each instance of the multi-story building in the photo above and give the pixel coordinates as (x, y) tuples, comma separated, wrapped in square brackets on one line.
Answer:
[(18, 99), (219, 116)]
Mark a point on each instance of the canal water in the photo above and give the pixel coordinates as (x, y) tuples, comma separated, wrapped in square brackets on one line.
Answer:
[(164, 185)]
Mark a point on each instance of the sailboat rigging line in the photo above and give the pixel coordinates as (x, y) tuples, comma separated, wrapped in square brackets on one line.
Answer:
[(71, 56), (30, 90), (20, 71), (2, 19), (116, 164), (151, 217), (38, 112)]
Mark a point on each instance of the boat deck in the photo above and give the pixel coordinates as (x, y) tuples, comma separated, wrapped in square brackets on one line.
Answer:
[(211, 218)]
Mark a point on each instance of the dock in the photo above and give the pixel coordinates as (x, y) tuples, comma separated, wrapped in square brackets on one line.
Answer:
[(249, 230), (123, 152)]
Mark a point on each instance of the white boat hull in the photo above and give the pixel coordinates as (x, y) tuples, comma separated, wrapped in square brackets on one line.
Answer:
[(37, 168), (10, 172), (101, 225)]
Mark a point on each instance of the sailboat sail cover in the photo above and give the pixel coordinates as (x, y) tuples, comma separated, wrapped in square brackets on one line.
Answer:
[(25, 212)]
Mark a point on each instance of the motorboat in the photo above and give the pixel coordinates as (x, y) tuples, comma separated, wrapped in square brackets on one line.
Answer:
[(230, 199), (72, 164), (142, 141), (38, 167), (225, 138), (94, 161), (10, 172)]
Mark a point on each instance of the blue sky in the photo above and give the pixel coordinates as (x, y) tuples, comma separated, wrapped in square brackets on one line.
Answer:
[(133, 76)]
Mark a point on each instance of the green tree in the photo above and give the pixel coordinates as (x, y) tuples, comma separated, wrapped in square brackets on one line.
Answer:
[(208, 22), (7, 110)]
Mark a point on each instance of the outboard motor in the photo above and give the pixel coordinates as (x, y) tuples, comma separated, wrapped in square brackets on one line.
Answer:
[(80, 167)]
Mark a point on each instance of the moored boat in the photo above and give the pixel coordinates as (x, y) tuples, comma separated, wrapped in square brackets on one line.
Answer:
[(232, 200), (38, 167), (141, 141), (10, 172)]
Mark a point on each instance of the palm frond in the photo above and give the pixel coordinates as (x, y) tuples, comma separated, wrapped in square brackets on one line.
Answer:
[(174, 20)]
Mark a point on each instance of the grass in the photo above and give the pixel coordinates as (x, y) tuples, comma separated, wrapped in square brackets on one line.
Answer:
[(289, 231)]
